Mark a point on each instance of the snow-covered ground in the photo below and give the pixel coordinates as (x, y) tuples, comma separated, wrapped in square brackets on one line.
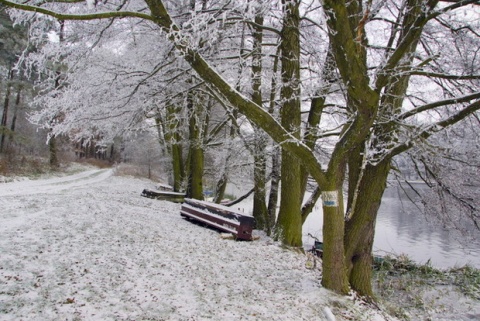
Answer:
[(89, 247)]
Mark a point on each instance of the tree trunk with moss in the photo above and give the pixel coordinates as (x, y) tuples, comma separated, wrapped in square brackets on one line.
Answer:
[(360, 227), (348, 45), (367, 182), (196, 157), (334, 270), (289, 223)]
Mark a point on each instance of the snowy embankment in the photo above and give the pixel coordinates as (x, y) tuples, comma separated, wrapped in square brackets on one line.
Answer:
[(88, 247)]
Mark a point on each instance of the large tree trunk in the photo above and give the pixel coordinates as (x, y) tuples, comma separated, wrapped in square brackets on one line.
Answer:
[(195, 181), (333, 264), (360, 227), (52, 142), (348, 44), (289, 224), (260, 211), (366, 185)]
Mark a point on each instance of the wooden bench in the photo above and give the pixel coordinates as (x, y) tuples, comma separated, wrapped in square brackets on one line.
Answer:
[(219, 217), (164, 195)]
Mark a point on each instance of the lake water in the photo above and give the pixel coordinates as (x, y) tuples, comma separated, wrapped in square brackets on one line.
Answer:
[(402, 229)]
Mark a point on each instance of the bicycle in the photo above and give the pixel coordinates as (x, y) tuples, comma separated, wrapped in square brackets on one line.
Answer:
[(314, 254)]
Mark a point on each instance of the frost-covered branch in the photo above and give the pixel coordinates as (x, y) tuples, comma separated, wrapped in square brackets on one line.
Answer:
[(455, 5), (440, 103), (435, 128), (79, 17), (443, 76), (444, 187)]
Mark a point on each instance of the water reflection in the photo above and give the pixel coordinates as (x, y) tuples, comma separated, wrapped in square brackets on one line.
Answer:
[(403, 229)]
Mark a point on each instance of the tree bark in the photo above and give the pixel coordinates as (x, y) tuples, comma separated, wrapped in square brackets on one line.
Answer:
[(333, 265), (289, 224), (309, 205), (260, 211), (52, 142), (13, 124), (195, 182), (223, 181), (52, 147), (6, 105), (275, 174), (360, 227), (173, 138), (366, 185), (274, 187), (15, 114)]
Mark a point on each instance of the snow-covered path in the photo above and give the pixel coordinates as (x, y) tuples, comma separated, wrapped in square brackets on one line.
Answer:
[(55, 185), (88, 247)]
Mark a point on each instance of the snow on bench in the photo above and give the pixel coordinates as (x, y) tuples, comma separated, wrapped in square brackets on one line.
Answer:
[(164, 195), (219, 217)]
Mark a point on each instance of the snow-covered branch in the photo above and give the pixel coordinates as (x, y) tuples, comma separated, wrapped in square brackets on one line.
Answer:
[(443, 75), (439, 103), (79, 17), (435, 128)]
